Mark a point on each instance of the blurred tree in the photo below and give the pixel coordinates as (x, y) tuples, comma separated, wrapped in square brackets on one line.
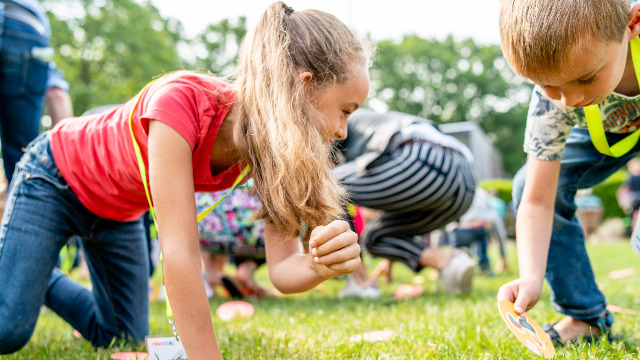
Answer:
[(452, 81), (217, 47), (109, 49)]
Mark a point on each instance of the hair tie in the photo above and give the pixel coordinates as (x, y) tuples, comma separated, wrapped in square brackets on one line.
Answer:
[(288, 10)]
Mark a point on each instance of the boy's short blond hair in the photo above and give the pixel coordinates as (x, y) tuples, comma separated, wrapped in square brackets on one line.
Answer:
[(539, 36)]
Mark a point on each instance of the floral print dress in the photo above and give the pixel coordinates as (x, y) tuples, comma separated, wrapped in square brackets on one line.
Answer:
[(230, 229)]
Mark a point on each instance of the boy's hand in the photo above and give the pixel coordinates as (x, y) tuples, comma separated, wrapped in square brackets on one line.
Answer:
[(523, 292), (334, 249)]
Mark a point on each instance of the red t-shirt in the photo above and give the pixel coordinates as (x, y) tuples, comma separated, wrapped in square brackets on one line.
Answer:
[(95, 153)]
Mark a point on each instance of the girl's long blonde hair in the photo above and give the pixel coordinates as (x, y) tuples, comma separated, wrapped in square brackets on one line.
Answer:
[(278, 131)]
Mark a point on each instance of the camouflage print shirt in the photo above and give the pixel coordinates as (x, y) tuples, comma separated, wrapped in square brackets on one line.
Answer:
[(549, 122)]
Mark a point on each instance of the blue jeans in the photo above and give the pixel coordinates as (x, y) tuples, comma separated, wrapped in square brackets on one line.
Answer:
[(569, 272), (23, 83), (41, 214), (475, 239)]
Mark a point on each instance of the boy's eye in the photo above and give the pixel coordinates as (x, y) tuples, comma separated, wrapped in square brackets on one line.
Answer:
[(346, 112), (587, 81)]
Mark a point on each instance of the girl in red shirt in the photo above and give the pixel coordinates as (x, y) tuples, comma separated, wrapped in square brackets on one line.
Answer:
[(300, 76)]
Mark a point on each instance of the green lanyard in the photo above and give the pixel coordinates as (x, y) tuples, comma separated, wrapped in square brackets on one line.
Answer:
[(143, 175), (594, 118)]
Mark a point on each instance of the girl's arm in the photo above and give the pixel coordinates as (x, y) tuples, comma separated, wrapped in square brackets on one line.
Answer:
[(334, 251), (534, 223), (172, 190)]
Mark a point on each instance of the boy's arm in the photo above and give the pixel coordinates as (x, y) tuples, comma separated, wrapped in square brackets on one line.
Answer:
[(534, 222), (334, 251), (172, 189)]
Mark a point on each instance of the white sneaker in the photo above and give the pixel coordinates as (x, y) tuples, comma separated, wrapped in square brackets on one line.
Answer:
[(352, 289), (162, 293), (457, 276), (371, 292), (208, 290)]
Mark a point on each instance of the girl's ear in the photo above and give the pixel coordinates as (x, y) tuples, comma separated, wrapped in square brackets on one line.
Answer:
[(634, 22), (305, 77)]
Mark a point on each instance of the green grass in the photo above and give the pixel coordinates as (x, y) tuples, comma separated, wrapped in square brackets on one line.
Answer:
[(317, 325)]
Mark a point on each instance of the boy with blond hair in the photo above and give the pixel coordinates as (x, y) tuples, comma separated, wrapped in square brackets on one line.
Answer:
[(580, 54)]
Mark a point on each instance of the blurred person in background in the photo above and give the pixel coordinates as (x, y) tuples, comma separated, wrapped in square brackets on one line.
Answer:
[(28, 78), (419, 178)]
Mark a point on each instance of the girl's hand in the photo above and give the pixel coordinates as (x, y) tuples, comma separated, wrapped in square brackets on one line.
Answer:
[(523, 292), (334, 249)]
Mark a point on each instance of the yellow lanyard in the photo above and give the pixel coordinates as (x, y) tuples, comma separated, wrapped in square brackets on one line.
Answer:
[(143, 175), (594, 118)]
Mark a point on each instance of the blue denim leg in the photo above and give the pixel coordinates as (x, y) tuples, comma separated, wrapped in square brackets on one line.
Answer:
[(23, 82), (118, 305), (476, 239), (569, 272), (30, 241)]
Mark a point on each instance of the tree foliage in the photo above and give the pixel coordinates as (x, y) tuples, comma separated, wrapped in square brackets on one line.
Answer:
[(448, 81), (108, 49), (217, 47)]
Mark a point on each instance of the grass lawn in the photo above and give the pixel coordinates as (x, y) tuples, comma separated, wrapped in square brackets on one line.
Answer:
[(317, 325)]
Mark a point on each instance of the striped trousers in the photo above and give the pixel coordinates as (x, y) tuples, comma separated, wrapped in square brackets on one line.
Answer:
[(420, 187)]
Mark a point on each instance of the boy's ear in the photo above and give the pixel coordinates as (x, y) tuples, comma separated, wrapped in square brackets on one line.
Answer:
[(634, 22)]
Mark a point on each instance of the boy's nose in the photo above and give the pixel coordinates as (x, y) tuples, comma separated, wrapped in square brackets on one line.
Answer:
[(571, 98)]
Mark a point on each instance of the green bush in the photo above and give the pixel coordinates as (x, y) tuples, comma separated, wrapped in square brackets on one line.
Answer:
[(501, 186)]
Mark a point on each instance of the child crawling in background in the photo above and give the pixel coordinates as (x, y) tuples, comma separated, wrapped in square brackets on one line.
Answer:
[(300, 76), (231, 231), (419, 179)]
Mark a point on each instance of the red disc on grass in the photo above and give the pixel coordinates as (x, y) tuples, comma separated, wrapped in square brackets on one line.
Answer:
[(408, 291), (372, 336), (131, 355), (233, 309), (622, 273), (620, 310)]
